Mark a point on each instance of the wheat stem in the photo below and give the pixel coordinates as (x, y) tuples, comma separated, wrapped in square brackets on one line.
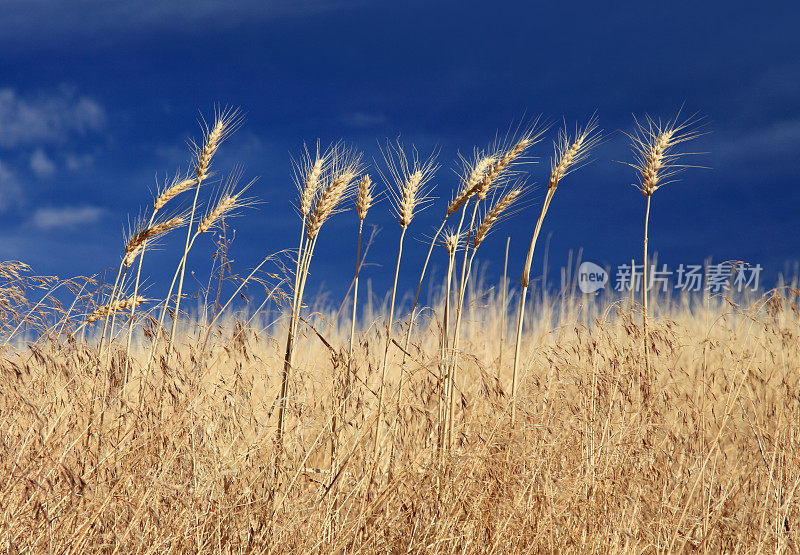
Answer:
[(645, 273), (503, 311), (389, 323)]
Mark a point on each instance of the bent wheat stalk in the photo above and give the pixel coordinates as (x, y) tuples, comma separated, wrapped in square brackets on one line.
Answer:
[(226, 122), (469, 187), (345, 165), (569, 156), (228, 202), (492, 217)]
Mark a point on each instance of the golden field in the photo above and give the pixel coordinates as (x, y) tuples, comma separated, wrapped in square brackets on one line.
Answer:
[(600, 423)]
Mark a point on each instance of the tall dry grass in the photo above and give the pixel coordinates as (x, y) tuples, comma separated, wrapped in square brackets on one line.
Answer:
[(278, 426)]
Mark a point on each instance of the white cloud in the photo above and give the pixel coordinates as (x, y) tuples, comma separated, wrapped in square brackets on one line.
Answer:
[(68, 216), (41, 164), (47, 118), (10, 188)]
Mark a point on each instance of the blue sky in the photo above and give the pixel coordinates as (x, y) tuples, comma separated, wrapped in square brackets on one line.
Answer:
[(98, 99)]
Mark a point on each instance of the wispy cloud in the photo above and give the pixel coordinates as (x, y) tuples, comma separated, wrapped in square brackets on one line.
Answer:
[(41, 164), (67, 216), (777, 141), (47, 117)]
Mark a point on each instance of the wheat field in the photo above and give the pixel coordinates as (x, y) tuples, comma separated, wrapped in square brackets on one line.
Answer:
[(479, 418)]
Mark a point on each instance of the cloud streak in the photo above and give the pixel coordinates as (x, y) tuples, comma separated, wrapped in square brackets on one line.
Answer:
[(46, 118), (67, 217)]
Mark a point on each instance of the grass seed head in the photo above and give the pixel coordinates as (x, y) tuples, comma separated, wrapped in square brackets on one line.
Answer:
[(505, 158), (451, 240), (470, 185), (175, 188), (226, 121), (229, 201), (308, 176)]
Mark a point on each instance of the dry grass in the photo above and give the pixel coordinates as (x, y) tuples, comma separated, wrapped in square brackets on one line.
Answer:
[(230, 440)]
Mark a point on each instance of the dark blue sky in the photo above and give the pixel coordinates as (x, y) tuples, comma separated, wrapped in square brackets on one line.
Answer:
[(97, 99)]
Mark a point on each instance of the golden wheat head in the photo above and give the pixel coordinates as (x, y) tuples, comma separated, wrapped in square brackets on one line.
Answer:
[(496, 212), (471, 182), (345, 165), (572, 153), (228, 201), (408, 178), (507, 156), (653, 144), (117, 306), (134, 245), (365, 197), (226, 122)]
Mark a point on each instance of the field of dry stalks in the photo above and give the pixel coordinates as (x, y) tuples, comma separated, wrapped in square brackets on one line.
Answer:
[(493, 419)]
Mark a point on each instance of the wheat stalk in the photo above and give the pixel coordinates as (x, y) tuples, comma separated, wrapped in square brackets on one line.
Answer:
[(409, 178), (451, 240), (505, 157), (228, 191), (478, 180), (363, 203), (568, 156), (177, 186), (503, 311), (656, 163), (469, 184), (226, 122), (344, 167), (490, 219)]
